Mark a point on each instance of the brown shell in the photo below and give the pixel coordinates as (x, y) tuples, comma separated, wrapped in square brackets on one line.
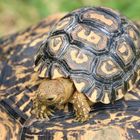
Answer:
[(96, 48)]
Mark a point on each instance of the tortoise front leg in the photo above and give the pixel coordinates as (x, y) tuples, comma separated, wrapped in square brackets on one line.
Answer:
[(81, 106), (40, 110)]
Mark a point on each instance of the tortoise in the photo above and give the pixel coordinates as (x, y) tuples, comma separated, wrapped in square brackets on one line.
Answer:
[(91, 55), (19, 84)]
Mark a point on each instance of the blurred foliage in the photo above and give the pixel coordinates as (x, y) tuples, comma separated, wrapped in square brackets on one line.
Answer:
[(18, 14)]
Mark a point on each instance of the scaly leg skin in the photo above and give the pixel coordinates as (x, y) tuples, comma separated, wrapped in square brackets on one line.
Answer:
[(40, 110), (44, 112), (81, 106)]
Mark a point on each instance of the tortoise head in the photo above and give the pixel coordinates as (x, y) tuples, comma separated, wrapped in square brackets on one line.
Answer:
[(53, 92)]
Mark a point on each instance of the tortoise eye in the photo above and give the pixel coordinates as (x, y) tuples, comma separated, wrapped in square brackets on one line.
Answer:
[(50, 99)]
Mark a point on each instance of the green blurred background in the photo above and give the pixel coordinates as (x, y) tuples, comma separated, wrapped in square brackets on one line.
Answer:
[(16, 15)]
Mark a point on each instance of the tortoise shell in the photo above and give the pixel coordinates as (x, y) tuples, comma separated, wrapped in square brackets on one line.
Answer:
[(97, 48)]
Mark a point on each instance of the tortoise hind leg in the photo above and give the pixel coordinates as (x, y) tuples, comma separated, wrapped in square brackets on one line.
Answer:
[(81, 106)]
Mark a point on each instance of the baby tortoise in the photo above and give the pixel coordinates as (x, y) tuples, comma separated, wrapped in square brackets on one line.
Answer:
[(91, 55)]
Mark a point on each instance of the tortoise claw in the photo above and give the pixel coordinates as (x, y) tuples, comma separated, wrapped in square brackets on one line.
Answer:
[(42, 112), (50, 112), (81, 118)]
